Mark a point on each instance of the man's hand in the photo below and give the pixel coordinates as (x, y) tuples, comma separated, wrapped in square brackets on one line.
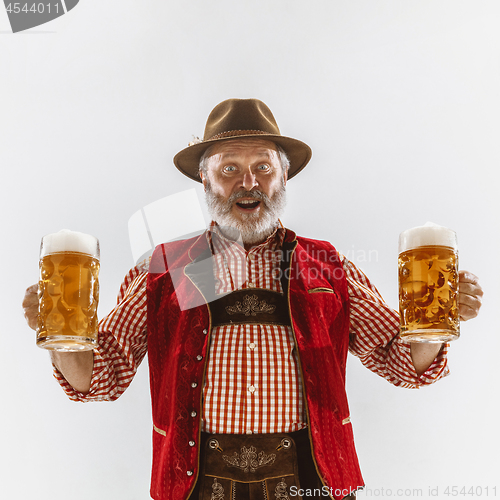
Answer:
[(30, 306), (76, 367), (470, 295)]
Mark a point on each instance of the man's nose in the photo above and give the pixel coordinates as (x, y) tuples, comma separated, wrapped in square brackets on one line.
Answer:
[(249, 180)]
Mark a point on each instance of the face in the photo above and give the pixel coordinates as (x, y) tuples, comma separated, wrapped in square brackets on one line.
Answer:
[(245, 187)]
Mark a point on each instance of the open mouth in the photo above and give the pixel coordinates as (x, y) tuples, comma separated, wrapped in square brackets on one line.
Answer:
[(248, 204)]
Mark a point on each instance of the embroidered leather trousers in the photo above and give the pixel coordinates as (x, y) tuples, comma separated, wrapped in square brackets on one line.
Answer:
[(256, 467)]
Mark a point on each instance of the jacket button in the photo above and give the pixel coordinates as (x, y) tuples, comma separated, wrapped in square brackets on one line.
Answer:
[(194, 385), (191, 443), (205, 331), (189, 472), (193, 414), (199, 357)]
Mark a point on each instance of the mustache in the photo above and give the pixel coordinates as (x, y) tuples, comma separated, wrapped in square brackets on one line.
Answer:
[(256, 194)]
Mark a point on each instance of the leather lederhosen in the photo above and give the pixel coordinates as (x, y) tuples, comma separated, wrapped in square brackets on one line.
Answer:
[(244, 467), (235, 478), (255, 466)]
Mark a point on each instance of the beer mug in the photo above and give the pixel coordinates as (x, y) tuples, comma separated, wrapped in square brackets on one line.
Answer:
[(68, 291), (428, 284)]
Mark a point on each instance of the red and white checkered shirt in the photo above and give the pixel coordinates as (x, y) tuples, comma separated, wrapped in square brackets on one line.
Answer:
[(253, 381)]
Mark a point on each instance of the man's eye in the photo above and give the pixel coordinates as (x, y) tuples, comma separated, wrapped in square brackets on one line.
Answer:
[(229, 168), (263, 167)]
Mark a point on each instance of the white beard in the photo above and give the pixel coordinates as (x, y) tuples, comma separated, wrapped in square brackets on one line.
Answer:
[(253, 228)]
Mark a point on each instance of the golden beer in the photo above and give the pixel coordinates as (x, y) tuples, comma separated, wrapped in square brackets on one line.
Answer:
[(68, 292), (428, 285)]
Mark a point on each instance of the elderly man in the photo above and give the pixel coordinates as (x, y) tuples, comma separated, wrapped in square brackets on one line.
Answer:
[(247, 329)]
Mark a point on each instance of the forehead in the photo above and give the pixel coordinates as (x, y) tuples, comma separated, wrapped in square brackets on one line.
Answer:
[(244, 147)]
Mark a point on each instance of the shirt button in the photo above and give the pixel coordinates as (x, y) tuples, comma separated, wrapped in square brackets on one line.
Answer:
[(193, 414), (251, 388), (252, 345), (251, 285), (194, 385), (249, 432), (191, 443), (189, 472), (199, 357)]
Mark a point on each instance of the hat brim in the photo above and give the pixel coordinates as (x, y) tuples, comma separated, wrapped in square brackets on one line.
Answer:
[(298, 152)]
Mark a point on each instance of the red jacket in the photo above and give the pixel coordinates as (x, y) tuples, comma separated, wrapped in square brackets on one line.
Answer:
[(179, 326)]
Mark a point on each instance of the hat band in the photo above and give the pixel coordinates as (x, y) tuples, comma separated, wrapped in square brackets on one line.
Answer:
[(235, 133)]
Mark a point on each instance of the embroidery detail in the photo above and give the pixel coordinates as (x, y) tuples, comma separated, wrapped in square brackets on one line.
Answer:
[(217, 491), (251, 306), (249, 461), (280, 491)]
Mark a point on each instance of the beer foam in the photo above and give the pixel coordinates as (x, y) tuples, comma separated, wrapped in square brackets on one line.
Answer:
[(70, 241), (427, 235)]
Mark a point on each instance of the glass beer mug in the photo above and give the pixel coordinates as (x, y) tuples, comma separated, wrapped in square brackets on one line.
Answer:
[(428, 284), (68, 291)]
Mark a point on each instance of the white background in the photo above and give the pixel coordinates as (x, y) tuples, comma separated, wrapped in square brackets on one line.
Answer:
[(399, 101)]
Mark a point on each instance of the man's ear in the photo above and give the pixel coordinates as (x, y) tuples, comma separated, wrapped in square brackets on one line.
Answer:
[(203, 179)]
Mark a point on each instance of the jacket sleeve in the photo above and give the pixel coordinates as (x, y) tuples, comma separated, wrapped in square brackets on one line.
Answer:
[(374, 339), (122, 343)]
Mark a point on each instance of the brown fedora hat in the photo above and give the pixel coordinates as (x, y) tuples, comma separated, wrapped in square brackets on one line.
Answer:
[(238, 119)]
